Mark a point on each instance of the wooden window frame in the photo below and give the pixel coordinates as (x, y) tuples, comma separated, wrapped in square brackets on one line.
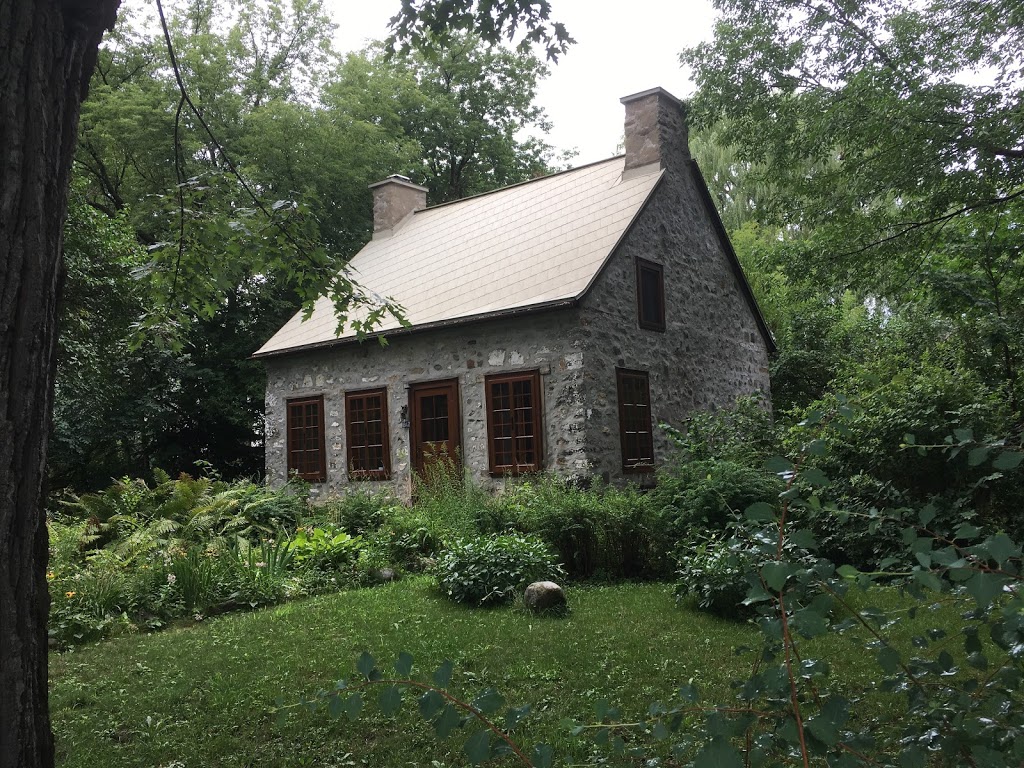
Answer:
[(319, 475), (384, 473), (500, 470), (647, 323), (633, 464)]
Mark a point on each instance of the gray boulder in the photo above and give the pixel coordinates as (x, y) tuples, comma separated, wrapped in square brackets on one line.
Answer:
[(544, 597)]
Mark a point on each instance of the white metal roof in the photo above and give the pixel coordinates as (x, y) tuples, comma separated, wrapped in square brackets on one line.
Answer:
[(530, 244)]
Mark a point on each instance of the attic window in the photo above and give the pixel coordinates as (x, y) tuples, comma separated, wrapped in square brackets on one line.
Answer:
[(366, 425), (307, 456), (635, 430), (650, 295), (513, 423)]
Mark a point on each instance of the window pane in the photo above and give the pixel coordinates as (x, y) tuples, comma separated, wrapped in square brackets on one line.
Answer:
[(366, 419), (637, 436), (512, 422), (305, 439)]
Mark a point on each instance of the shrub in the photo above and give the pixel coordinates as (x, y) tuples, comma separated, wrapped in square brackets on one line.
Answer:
[(447, 504), (744, 434), (600, 531), (486, 570), (324, 548), (358, 512), (697, 499), (714, 572), (402, 542), (720, 570)]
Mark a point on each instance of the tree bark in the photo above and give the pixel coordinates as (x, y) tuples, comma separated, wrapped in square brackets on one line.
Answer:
[(47, 53)]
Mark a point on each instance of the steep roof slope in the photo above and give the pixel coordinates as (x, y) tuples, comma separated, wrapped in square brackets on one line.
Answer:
[(528, 245)]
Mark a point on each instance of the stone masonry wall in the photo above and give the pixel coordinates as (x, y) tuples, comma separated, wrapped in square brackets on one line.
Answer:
[(711, 351), (548, 341)]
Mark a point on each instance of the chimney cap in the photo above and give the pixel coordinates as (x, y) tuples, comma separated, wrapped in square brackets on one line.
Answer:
[(650, 92), (403, 181)]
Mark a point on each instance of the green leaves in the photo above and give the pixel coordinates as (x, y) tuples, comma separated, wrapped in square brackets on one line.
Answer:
[(443, 674), (543, 756), (984, 587), (779, 465), (488, 702), (826, 726), (366, 664), (447, 721), (759, 511), (776, 573), (1008, 460), (390, 700), (478, 747), (403, 664), (718, 753)]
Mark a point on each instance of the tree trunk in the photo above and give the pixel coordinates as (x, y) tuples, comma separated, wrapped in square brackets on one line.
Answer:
[(47, 53)]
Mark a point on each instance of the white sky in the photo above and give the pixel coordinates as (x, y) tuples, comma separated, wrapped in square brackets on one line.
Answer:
[(621, 48)]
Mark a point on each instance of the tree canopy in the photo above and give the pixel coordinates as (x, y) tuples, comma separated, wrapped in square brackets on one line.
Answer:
[(306, 130), (884, 140)]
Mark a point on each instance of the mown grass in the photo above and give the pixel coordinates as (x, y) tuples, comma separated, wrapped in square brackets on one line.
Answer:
[(202, 695)]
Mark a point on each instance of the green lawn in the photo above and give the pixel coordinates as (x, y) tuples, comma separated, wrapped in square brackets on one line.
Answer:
[(201, 695)]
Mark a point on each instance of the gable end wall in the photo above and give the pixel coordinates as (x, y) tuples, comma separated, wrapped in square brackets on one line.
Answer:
[(712, 350)]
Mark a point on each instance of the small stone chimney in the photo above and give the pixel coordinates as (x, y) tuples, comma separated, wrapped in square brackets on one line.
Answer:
[(393, 199), (656, 134)]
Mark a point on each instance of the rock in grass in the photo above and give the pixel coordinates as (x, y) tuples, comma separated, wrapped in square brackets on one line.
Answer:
[(544, 597)]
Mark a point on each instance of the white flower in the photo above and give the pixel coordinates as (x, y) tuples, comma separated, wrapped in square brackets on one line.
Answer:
[(171, 578)]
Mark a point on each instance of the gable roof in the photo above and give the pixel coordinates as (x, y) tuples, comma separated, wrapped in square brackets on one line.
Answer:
[(536, 244)]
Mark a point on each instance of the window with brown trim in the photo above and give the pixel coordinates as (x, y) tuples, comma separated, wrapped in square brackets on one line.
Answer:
[(650, 295), (513, 422), (366, 425), (635, 421), (307, 456)]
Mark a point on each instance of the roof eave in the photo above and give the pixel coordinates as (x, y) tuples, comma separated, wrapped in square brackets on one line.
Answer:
[(545, 306), (734, 260)]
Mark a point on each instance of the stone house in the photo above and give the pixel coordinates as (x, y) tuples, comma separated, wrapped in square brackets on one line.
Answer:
[(552, 325)]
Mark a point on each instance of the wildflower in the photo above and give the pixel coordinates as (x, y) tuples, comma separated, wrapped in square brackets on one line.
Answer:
[(50, 575), (69, 594), (171, 578), (261, 565), (198, 617)]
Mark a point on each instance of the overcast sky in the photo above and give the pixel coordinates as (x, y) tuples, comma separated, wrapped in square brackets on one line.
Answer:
[(621, 47)]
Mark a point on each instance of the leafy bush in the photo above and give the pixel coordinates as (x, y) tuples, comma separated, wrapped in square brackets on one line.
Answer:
[(876, 475), (359, 511), (486, 570), (133, 556), (599, 531), (745, 434), (447, 504), (697, 499), (324, 548), (714, 573), (402, 542), (719, 570)]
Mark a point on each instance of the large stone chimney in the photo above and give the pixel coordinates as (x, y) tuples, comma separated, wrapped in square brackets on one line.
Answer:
[(656, 135), (393, 199)]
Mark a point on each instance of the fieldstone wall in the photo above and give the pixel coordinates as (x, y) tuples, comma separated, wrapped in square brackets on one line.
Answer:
[(547, 341), (711, 351)]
